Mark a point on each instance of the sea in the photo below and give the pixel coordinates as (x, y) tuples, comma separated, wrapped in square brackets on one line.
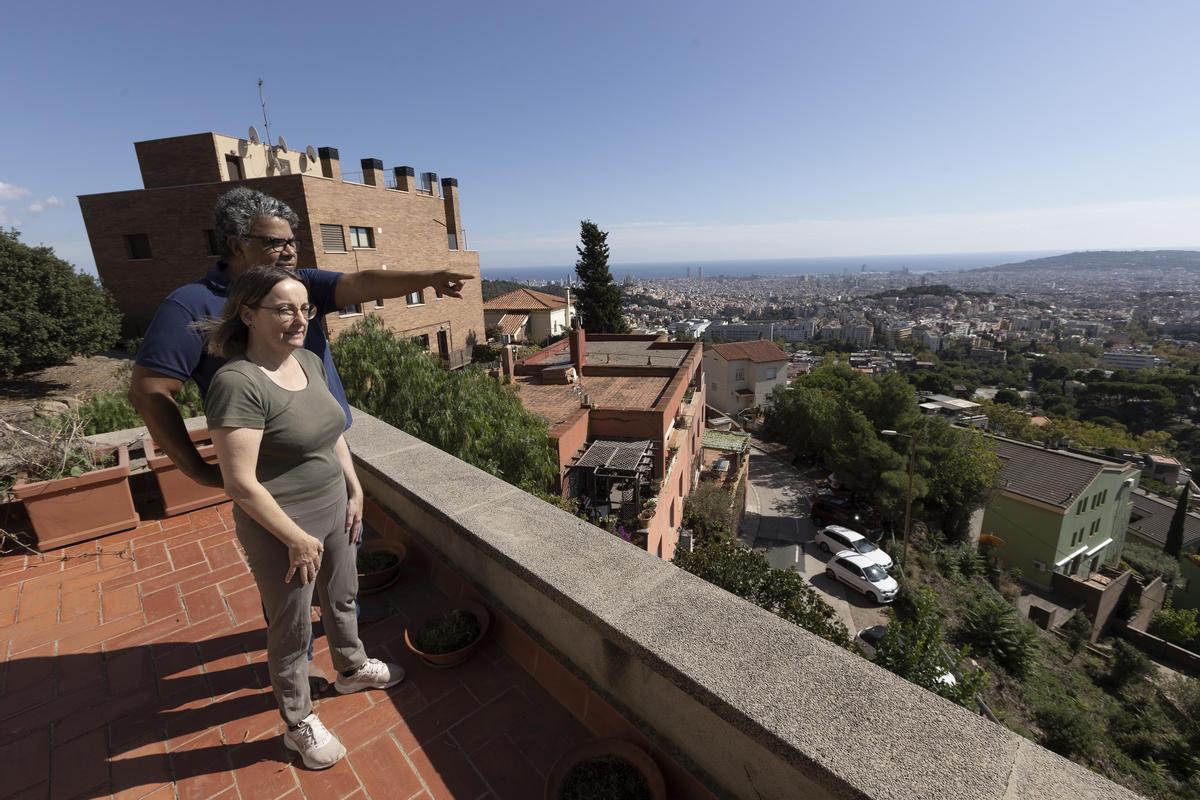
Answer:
[(775, 267)]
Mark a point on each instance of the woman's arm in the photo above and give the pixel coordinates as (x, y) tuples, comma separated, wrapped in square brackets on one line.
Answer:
[(237, 450), (354, 492)]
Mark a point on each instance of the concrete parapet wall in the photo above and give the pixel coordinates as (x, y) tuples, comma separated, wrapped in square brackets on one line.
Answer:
[(671, 653)]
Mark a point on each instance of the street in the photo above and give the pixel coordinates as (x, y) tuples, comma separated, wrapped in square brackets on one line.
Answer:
[(777, 524)]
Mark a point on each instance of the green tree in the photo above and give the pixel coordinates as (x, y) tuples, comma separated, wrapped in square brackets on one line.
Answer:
[(599, 297), (1128, 665), (707, 511), (50, 311), (993, 629), (1174, 545), (914, 649), (737, 569), (465, 412), (1077, 630), (1176, 625)]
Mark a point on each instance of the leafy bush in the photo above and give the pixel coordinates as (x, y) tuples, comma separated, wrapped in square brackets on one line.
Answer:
[(1151, 563), (1077, 631), (1176, 625), (1066, 730), (464, 413), (52, 312), (992, 627), (726, 563), (108, 411), (707, 511), (1128, 665)]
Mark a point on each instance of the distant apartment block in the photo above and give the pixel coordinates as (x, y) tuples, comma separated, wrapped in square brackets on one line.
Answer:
[(792, 331), (150, 241), (742, 375), (1128, 359), (626, 416), (692, 327), (987, 355), (528, 316)]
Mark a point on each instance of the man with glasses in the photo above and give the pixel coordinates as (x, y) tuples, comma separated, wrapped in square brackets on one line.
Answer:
[(252, 229)]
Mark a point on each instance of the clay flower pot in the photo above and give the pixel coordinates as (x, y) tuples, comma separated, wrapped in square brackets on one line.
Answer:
[(69, 510), (459, 656), (376, 580), (608, 749), (180, 493)]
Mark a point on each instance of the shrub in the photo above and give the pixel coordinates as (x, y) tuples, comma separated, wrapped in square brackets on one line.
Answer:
[(1066, 730), (108, 411), (1176, 625), (1077, 631), (992, 627), (1151, 563), (1128, 665), (52, 312), (707, 511)]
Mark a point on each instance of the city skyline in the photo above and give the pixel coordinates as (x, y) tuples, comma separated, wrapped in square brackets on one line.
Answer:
[(689, 132)]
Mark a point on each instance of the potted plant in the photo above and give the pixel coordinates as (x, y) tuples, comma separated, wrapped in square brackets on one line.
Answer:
[(379, 563), (82, 495), (606, 769), (180, 493), (448, 638)]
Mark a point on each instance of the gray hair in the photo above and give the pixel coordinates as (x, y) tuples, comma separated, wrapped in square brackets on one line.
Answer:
[(237, 208)]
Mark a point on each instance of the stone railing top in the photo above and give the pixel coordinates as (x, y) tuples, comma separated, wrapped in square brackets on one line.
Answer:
[(845, 724)]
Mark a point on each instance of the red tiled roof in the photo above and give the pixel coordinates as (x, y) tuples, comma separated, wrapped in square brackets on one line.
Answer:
[(761, 351), (511, 323), (524, 300)]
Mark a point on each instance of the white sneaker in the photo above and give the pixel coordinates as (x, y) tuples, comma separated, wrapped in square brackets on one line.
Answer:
[(373, 674), (318, 748)]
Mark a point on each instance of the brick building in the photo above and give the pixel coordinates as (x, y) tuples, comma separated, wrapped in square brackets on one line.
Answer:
[(149, 241)]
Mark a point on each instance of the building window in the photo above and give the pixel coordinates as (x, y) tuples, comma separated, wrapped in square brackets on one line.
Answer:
[(333, 238), (137, 245), (210, 239), (233, 166), (379, 303), (422, 340), (1095, 527), (1104, 497), (361, 237), (350, 310), (415, 298), (452, 240), (739, 374), (772, 372)]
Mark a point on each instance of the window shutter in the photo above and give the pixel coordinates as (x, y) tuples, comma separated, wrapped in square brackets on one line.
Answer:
[(333, 238)]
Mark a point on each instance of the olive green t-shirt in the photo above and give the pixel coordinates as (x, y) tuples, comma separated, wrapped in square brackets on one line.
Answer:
[(296, 460)]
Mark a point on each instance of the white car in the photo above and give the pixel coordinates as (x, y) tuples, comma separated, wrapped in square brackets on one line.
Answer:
[(835, 539), (862, 574), (868, 640)]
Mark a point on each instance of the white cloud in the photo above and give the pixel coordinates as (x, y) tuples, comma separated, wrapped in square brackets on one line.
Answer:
[(38, 206), (1118, 226), (10, 191)]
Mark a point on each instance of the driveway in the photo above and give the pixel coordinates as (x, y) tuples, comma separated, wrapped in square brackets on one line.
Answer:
[(777, 525)]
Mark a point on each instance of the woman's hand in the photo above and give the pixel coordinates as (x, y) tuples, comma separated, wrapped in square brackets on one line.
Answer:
[(354, 509), (304, 557)]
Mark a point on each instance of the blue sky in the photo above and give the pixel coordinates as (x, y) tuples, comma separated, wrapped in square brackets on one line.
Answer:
[(689, 130)]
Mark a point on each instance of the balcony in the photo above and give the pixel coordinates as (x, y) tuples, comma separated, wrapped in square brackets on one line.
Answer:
[(126, 674)]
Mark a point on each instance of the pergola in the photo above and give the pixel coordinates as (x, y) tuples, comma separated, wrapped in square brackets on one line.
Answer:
[(609, 466)]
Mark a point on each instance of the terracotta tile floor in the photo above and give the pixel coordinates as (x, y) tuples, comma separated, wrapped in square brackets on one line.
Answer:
[(139, 671)]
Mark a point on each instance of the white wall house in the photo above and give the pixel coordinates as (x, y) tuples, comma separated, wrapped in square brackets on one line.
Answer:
[(526, 315), (741, 375)]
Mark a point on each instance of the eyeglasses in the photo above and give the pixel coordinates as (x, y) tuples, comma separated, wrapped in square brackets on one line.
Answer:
[(288, 313), (274, 242)]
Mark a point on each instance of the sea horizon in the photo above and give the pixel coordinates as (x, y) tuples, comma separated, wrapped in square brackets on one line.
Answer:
[(777, 267)]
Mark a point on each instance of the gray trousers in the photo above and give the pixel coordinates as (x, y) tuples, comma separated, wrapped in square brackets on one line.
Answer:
[(289, 605)]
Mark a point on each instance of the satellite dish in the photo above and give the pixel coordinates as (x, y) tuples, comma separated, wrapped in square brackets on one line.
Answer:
[(282, 144), (311, 152), (254, 135)]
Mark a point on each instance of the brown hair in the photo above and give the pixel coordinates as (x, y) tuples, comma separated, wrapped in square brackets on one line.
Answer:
[(226, 336)]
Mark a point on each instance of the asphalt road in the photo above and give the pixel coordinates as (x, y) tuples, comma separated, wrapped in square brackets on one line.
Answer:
[(776, 524)]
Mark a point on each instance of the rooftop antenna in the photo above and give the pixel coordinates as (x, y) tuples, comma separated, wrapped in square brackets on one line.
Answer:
[(263, 102)]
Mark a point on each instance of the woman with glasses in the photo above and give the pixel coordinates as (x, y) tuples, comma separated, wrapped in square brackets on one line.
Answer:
[(297, 500)]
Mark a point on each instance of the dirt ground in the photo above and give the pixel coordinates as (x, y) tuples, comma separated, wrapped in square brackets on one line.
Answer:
[(78, 379)]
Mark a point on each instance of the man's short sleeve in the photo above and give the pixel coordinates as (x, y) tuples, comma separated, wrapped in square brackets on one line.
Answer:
[(234, 400), (322, 287), (171, 346)]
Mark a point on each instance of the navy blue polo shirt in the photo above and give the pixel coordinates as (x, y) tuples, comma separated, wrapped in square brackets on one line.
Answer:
[(174, 348)]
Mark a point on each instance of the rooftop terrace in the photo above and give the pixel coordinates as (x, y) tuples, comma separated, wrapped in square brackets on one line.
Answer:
[(143, 676)]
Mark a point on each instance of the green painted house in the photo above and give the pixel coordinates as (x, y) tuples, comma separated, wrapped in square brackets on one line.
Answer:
[(1058, 510)]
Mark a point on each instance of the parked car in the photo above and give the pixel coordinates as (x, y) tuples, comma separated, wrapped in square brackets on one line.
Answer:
[(863, 575), (836, 538), (868, 640), (830, 509)]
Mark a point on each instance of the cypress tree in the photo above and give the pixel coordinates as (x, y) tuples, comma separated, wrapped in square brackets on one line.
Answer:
[(1174, 546), (599, 296)]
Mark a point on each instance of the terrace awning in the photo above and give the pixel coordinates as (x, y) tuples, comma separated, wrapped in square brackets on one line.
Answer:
[(617, 459)]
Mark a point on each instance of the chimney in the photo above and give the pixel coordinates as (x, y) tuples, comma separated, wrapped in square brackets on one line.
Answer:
[(404, 178), (453, 217), (372, 169), (578, 341), (508, 363), (331, 166)]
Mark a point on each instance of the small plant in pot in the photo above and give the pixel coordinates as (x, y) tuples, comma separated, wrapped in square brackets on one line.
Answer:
[(379, 565), (449, 638), (606, 769)]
